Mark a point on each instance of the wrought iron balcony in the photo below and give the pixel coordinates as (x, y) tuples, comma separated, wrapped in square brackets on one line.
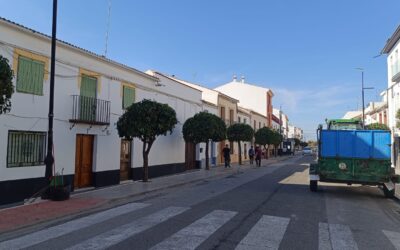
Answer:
[(90, 110)]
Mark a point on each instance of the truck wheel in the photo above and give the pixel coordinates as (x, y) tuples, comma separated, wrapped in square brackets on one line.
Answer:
[(314, 186), (388, 193)]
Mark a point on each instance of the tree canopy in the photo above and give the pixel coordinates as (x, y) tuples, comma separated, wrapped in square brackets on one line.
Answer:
[(263, 136), (276, 138), (6, 87), (377, 126), (146, 120), (240, 132), (203, 127)]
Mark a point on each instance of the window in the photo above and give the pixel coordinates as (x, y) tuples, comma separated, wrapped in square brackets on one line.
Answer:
[(254, 124), (26, 148), (259, 124), (244, 120), (30, 76), (128, 96), (239, 119)]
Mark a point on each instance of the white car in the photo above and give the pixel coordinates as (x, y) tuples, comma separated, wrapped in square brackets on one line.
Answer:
[(307, 151)]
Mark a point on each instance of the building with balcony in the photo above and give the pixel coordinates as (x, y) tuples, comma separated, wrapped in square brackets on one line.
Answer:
[(91, 93), (392, 49)]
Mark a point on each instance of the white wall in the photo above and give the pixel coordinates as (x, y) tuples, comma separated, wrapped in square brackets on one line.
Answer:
[(249, 96)]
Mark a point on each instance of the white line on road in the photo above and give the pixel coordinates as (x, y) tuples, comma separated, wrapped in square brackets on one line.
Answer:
[(324, 241), (336, 237), (267, 233), (121, 233), (193, 235), (71, 226), (394, 237)]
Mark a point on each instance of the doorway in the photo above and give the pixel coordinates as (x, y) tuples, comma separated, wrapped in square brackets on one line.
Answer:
[(83, 161), (125, 160), (190, 155)]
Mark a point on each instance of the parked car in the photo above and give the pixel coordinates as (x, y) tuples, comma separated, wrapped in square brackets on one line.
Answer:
[(307, 151)]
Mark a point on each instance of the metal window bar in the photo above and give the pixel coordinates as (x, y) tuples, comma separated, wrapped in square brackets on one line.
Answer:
[(25, 148)]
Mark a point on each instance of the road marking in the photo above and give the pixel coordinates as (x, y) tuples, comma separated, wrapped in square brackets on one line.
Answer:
[(324, 241), (121, 233), (193, 235), (68, 227), (335, 237), (267, 233), (394, 237)]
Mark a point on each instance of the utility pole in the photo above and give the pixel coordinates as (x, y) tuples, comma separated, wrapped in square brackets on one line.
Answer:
[(362, 96), (49, 157)]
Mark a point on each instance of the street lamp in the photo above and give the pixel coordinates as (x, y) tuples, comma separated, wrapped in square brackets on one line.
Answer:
[(49, 157), (362, 94)]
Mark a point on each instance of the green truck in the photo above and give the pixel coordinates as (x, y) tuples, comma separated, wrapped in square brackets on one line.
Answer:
[(349, 154)]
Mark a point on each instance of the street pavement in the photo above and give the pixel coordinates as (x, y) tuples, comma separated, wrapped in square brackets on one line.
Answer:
[(255, 208)]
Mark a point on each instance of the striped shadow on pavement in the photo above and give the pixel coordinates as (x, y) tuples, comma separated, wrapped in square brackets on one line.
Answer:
[(68, 227), (137, 226), (394, 237), (335, 237), (193, 235), (267, 233)]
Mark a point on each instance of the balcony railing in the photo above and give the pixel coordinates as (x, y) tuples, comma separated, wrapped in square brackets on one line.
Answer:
[(90, 110)]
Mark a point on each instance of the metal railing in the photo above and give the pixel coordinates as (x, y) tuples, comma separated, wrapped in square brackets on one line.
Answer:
[(26, 148), (90, 110)]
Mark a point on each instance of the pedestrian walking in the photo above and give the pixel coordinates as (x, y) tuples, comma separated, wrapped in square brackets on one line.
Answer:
[(251, 154), (258, 153), (227, 156)]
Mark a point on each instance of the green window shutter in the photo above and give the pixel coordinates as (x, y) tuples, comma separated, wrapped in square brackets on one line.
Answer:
[(128, 97), (88, 104), (88, 86), (30, 76)]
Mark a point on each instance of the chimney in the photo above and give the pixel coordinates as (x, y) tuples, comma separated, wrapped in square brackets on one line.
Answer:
[(234, 78), (242, 79)]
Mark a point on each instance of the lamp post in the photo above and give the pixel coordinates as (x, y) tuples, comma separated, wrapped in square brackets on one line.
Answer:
[(362, 95), (49, 157)]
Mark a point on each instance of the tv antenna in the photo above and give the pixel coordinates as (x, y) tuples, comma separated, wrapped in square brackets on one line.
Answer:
[(107, 27)]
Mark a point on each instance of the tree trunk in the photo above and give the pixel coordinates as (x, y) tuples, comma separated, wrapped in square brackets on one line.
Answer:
[(146, 152), (240, 153), (145, 163), (207, 157), (266, 151)]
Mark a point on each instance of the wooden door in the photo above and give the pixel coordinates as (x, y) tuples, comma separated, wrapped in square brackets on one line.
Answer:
[(190, 155), (245, 151), (125, 162), (83, 161)]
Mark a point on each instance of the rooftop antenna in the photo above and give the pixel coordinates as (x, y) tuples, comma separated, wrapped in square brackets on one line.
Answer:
[(107, 27)]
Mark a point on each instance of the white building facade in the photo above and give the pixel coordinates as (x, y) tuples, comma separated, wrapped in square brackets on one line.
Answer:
[(392, 50), (251, 97), (91, 93)]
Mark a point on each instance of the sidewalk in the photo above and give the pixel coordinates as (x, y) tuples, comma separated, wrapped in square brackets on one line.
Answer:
[(44, 210)]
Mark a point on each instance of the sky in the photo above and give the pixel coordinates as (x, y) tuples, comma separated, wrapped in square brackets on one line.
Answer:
[(305, 51)]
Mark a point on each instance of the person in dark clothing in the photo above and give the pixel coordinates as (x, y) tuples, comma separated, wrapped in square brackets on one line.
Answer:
[(251, 155), (227, 155), (258, 156)]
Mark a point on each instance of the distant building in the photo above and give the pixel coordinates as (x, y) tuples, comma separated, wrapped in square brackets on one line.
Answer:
[(376, 112), (256, 98), (353, 115)]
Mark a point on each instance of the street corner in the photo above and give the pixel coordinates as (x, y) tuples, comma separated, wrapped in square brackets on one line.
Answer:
[(25, 215)]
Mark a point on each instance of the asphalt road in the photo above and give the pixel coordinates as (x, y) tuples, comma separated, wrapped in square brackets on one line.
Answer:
[(262, 208)]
